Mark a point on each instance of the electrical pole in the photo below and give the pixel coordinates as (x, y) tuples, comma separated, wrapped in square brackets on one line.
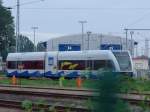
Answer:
[(120, 43), (126, 30), (132, 47), (146, 47), (82, 23), (136, 50), (88, 34), (101, 40), (136, 29), (34, 28), (18, 27)]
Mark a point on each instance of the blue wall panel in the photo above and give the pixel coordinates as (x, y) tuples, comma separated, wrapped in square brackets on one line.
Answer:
[(69, 47), (111, 47)]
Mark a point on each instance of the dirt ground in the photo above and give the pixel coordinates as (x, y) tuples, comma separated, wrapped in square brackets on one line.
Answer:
[(9, 110)]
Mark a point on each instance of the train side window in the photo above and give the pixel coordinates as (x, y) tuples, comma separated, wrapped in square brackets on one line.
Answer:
[(39, 65), (98, 64), (71, 65), (11, 64), (33, 64)]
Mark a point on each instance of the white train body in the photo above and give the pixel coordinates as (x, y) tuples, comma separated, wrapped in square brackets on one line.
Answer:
[(69, 63)]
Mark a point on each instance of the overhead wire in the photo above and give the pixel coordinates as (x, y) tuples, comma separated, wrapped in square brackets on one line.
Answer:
[(27, 3), (118, 9), (88, 8), (139, 19)]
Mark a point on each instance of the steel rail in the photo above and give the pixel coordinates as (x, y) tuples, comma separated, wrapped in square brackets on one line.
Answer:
[(60, 108), (47, 92), (50, 88)]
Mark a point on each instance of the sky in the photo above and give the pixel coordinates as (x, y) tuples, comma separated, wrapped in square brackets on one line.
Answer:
[(60, 17)]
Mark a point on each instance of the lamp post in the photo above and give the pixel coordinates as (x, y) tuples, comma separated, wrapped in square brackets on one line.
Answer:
[(88, 35), (126, 32), (82, 23), (34, 28), (101, 40), (132, 47), (18, 26)]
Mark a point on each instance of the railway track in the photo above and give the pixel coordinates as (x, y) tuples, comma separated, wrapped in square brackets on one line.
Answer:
[(135, 98), (59, 108), (49, 88), (48, 92), (62, 93), (77, 97)]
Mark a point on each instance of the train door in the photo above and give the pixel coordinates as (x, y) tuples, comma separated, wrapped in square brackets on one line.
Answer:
[(51, 64), (89, 67), (90, 64), (19, 65)]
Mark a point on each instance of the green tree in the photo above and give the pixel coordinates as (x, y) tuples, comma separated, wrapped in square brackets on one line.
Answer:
[(7, 38), (25, 45), (41, 46)]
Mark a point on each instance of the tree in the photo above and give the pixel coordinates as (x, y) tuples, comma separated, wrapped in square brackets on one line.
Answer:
[(25, 45), (41, 46), (7, 38)]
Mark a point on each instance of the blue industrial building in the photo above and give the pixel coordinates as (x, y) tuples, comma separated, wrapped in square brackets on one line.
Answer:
[(88, 42)]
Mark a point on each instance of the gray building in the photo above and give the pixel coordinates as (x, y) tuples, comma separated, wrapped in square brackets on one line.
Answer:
[(91, 42)]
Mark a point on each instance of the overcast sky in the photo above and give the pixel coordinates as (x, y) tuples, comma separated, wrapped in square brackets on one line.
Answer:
[(55, 18)]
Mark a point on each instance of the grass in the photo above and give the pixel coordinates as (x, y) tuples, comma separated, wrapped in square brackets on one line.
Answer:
[(127, 85), (48, 82), (138, 85)]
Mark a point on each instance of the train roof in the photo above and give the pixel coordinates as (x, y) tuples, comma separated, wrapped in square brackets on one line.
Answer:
[(106, 54), (26, 56)]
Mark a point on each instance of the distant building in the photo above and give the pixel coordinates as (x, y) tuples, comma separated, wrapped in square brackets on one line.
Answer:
[(91, 42), (141, 65)]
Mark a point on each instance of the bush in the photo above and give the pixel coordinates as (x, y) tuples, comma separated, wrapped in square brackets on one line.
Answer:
[(27, 105)]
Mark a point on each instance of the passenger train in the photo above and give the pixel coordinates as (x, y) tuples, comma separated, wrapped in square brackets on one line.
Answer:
[(70, 64)]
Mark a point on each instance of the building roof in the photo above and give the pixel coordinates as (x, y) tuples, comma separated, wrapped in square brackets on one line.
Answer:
[(94, 34), (141, 58)]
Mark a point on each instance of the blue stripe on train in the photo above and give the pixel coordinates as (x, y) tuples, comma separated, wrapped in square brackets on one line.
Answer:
[(36, 74), (48, 74), (72, 75), (25, 74), (12, 73)]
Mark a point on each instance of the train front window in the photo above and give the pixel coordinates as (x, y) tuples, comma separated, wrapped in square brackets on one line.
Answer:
[(123, 59)]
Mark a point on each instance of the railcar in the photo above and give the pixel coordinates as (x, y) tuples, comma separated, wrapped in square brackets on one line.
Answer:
[(70, 64)]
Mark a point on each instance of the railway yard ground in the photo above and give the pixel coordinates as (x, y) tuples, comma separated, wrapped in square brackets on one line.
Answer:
[(44, 82), (130, 84), (46, 95)]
